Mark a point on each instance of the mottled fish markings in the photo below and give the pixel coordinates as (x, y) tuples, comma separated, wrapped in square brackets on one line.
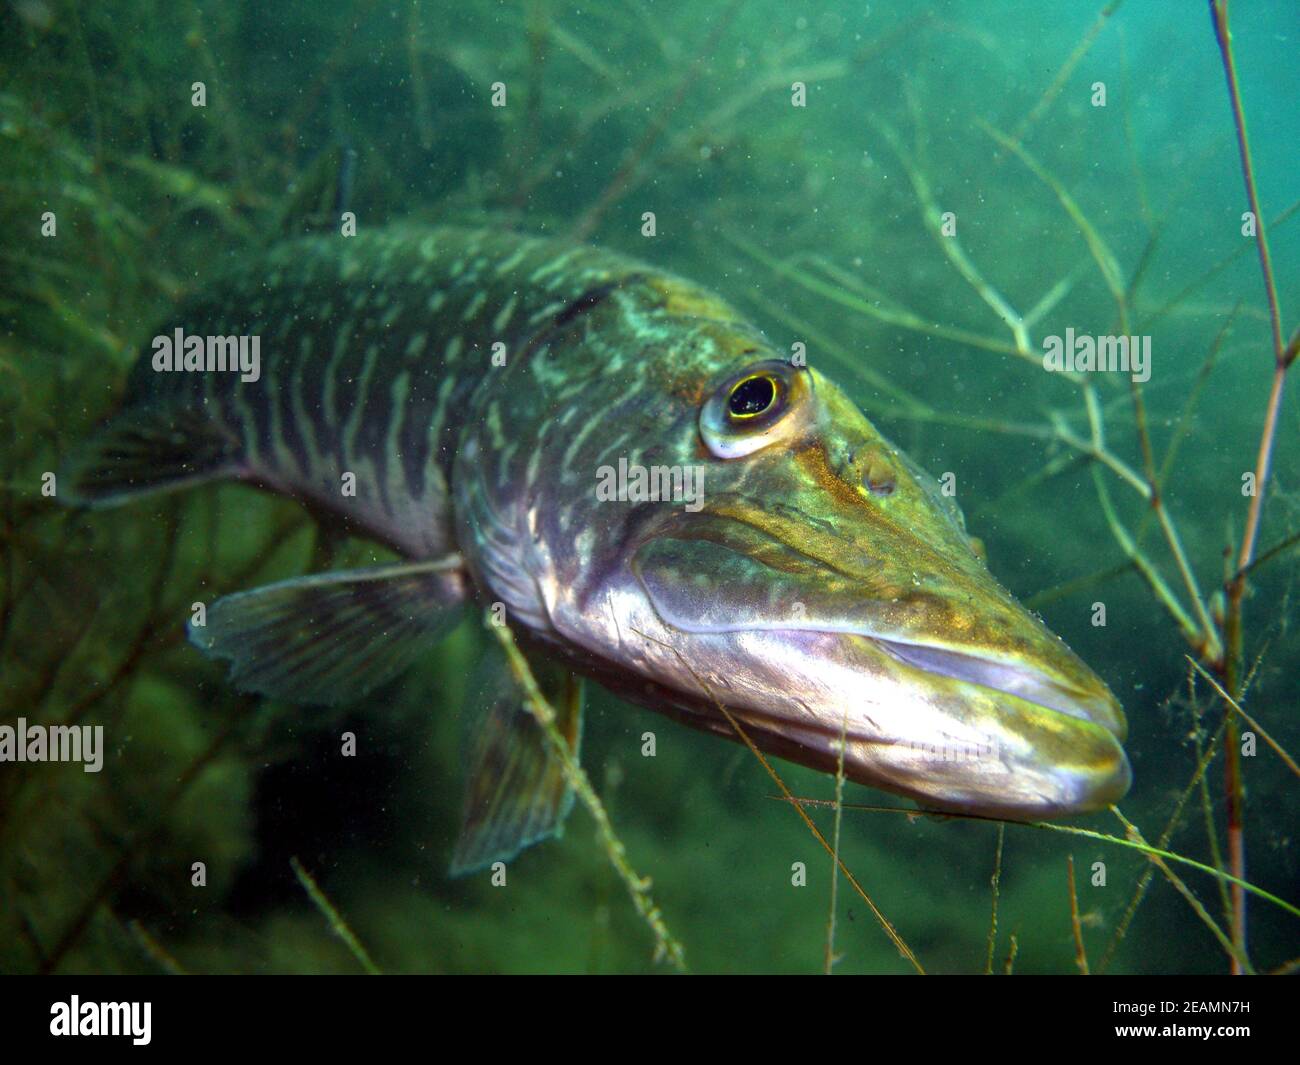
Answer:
[(824, 583)]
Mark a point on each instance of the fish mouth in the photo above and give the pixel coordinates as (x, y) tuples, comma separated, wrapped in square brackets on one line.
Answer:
[(1059, 744), (956, 732), (1026, 683), (1009, 724)]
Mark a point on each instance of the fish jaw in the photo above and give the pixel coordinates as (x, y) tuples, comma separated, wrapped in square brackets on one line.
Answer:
[(950, 743), (948, 691)]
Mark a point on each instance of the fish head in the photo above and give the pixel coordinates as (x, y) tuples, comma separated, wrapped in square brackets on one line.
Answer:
[(823, 587)]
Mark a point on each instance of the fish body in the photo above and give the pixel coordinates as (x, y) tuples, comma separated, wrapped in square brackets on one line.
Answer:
[(658, 497)]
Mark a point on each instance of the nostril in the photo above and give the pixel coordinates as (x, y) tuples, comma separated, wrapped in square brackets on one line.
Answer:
[(878, 475), (879, 480)]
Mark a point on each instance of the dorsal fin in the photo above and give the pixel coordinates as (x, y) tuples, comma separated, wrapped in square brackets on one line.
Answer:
[(320, 194)]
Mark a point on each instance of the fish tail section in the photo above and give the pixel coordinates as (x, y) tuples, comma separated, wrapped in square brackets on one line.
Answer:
[(148, 450), (516, 793)]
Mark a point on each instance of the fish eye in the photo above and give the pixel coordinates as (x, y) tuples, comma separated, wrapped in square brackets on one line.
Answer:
[(753, 409), (752, 396)]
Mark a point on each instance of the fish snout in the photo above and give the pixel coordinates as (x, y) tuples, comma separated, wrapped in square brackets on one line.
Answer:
[(1052, 731), (1064, 768), (1058, 681)]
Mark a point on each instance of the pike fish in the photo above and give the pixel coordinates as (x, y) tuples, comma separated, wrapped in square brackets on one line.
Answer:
[(493, 407)]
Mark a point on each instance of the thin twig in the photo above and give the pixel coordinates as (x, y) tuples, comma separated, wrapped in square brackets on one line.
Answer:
[(336, 922), (1063, 75), (890, 931), (1073, 830), (1277, 747), (831, 958), (997, 891), (666, 946), (1197, 782), (1238, 956), (1229, 666), (1080, 955), (632, 162)]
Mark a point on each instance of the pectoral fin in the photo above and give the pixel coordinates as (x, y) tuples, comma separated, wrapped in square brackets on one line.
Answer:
[(515, 791), (331, 637)]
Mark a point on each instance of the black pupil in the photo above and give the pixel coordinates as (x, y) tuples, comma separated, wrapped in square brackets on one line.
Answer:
[(752, 397)]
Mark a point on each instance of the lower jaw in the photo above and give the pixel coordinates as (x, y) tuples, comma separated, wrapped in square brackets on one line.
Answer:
[(953, 779)]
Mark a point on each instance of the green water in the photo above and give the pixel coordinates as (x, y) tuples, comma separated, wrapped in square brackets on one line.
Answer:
[(791, 155)]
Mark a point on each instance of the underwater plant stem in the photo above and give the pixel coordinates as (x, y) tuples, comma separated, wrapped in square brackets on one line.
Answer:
[(1237, 587), (1240, 962), (1263, 466), (1072, 830), (77, 927), (1272, 553), (1201, 634), (1236, 837), (1063, 74), (1278, 749), (1010, 962), (1183, 426), (341, 929), (1207, 640), (1102, 454), (797, 803), (423, 117), (1154, 581), (1223, 34), (537, 27), (1076, 925), (544, 714), (1204, 755), (1209, 643), (953, 251), (996, 883), (154, 949), (830, 959), (1107, 264), (626, 173), (893, 314), (1143, 432)]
